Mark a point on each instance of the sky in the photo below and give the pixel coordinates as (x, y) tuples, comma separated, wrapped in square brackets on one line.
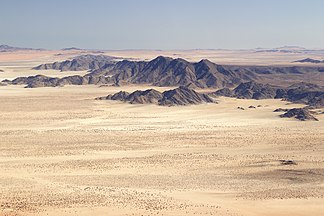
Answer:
[(162, 24)]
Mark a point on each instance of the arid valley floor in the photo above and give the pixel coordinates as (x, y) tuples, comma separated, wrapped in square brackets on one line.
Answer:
[(64, 153)]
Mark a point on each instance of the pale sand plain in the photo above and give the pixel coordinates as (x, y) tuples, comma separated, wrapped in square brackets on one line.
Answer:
[(64, 153)]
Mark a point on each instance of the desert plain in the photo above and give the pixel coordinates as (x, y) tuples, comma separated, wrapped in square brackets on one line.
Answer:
[(64, 153)]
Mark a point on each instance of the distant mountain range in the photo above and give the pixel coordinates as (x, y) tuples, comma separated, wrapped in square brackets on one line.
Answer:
[(309, 60), (290, 49), (284, 49), (7, 48)]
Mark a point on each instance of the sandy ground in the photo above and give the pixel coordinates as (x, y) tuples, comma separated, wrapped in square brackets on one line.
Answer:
[(64, 153)]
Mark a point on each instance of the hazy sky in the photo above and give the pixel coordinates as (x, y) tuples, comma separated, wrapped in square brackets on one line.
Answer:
[(161, 24)]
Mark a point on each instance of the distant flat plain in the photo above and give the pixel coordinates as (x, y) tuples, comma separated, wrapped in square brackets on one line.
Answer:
[(64, 153)]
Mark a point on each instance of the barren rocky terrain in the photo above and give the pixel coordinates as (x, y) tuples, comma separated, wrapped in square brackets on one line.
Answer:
[(64, 153)]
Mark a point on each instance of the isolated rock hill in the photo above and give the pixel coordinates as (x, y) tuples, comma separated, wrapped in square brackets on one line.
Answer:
[(302, 114), (44, 81), (309, 60), (80, 63), (34, 81), (281, 110), (306, 93), (71, 48), (179, 96)]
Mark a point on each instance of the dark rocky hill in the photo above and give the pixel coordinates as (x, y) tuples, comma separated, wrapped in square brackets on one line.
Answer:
[(44, 81), (178, 96), (34, 81), (83, 62), (183, 96), (164, 71), (302, 114), (299, 93), (252, 90), (249, 90), (71, 48), (309, 60)]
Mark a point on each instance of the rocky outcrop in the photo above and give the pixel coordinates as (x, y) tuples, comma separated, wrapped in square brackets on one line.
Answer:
[(164, 71), (80, 63), (306, 93), (302, 114), (183, 96), (280, 110), (44, 81), (287, 162), (138, 97), (225, 92), (249, 90), (34, 81), (252, 90), (178, 96)]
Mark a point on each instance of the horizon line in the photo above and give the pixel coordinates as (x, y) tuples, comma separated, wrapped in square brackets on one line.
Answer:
[(159, 49)]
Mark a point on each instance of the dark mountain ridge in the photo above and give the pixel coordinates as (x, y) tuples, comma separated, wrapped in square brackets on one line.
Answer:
[(79, 63), (7, 48), (179, 96), (306, 93), (165, 71)]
